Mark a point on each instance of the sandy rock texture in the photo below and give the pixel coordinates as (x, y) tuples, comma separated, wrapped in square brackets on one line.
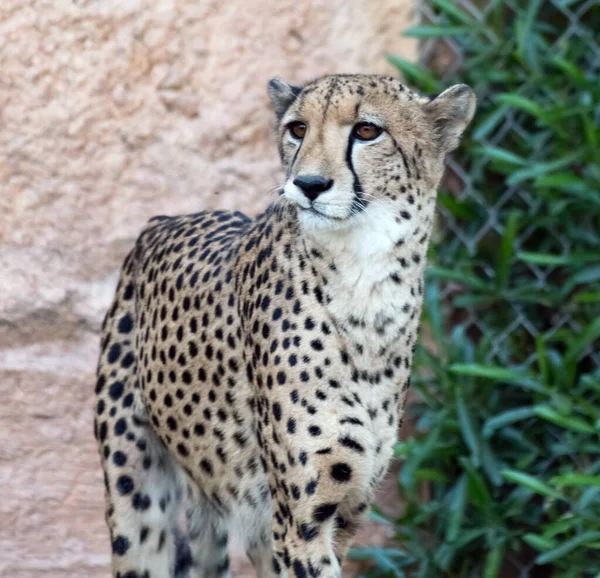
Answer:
[(112, 111)]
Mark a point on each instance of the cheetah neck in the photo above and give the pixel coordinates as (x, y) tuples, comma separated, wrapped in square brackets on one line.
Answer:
[(372, 278)]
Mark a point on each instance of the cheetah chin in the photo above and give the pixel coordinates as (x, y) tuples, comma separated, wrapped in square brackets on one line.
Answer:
[(253, 372)]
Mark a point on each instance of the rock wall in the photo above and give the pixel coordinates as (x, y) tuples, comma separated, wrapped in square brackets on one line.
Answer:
[(112, 111)]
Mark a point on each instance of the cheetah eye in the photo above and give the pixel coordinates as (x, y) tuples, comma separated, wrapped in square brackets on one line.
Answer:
[(297, 129), (366, 131)]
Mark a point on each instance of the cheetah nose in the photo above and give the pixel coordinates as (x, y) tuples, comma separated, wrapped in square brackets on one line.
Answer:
[(313, 185)]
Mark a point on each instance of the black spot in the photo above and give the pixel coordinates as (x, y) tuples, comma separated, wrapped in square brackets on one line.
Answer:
[(141, 502), (120, 426), (299, 569), (102, 431), (316, 344), (120, 545), (125, 324), (324, 512), (314, 430), (206, 466), (116, 390), (128, 292), (144, 534), (114, 352), (311, 487), (100, 384), (128, 360), (277, 411), (119, 458), (348, 442), (341, 472), (124, 485)]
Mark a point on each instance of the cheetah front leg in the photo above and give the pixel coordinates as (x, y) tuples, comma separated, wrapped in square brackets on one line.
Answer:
[(347, 522), (310, 536)]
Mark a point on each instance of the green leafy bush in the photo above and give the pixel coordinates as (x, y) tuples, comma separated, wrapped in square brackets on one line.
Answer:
[(502, 477)]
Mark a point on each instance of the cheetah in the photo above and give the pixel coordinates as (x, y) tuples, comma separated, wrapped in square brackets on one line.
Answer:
[(255, 370)]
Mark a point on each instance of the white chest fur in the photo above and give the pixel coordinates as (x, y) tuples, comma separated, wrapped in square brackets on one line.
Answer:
[(375, 287)]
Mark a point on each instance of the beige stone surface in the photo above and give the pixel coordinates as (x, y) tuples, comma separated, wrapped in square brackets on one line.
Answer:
[(112, 111)]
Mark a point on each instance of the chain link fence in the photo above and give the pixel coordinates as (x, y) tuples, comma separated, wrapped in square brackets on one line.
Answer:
[(443, 55)]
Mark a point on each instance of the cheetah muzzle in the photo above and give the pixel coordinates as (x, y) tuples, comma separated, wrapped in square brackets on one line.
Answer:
[(255, 371)]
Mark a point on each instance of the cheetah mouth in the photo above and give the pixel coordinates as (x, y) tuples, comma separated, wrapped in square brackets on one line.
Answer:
[(320, 214)]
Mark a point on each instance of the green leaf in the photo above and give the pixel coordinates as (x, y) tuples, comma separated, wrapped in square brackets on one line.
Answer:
[(498, 374), (502, 155), (435, 31), (462, 210), (575, 479), (467, 428), (431, 475), (457, 509), (477, 490), (522, 103), (489, 123), (493, 562), (505, 418), (587, 275), (531, 483), (402, 449), (539, 542), (543, 168), (587, 297), (566, 547), (506, 250), (451, 9), (590, 333), (422, 451), (459, 277), (557, 260), (567, 422), (417, 74), (570, 69)]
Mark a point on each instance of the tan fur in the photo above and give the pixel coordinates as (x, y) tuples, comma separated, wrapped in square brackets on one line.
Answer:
[(261, 366)]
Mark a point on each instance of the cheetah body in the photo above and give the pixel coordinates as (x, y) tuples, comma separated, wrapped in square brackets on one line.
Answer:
[(257, 369)]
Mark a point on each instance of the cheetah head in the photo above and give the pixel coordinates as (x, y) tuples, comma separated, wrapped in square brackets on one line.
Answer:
[(361, 147)]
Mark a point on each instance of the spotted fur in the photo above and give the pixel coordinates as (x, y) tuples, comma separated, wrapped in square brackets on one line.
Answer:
[(257, 369)]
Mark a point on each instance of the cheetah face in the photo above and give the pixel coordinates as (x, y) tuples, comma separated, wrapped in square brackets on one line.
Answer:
[(362, 147)]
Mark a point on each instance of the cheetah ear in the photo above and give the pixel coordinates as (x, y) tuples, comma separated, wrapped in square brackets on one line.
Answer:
[(282, 95), (450, 113)]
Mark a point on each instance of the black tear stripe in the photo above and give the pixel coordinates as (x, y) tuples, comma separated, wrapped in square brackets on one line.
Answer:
[(358, 202), (294, 160)]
